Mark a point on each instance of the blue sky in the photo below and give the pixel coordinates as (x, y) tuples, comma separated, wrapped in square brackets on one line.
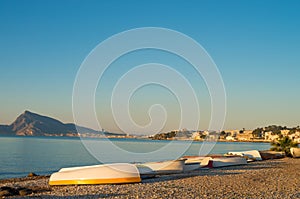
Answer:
[(255, 45)]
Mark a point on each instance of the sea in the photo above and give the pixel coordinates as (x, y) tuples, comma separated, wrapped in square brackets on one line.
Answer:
[(45, 155)]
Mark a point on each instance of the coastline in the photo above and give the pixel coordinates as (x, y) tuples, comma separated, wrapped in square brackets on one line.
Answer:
[(134, 138), (262, 179)]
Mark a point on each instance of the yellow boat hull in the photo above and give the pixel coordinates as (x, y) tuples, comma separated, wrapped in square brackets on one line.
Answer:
[(100, 174)]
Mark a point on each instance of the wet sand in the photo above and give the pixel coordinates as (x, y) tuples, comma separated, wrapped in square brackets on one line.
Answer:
[(265, 179)]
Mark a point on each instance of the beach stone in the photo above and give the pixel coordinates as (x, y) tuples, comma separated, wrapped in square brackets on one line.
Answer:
[(5, 188), (31, 174), (25, 191), (7, 191), (229, 182)]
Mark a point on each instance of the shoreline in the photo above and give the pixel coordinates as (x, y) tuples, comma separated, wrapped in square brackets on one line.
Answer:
[(136, 138), (278, 178)]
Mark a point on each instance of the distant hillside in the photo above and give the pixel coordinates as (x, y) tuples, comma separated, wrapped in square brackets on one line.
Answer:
[(5, 130), (32, 124)]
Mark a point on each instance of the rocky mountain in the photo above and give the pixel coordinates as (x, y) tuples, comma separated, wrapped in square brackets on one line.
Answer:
[(32, 124)]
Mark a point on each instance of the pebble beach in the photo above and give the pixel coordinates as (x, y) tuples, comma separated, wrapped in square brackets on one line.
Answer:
[(278, 178)]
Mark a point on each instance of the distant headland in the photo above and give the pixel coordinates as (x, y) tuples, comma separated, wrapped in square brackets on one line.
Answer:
[(32, 124)]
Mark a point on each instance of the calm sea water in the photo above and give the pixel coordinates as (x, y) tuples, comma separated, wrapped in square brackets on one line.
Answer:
[(22, 155)]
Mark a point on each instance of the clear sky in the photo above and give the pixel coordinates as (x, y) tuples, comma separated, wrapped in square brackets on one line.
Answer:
[(255, 44)]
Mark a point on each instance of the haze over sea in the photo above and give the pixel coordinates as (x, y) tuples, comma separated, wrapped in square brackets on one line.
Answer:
[(22, 155)]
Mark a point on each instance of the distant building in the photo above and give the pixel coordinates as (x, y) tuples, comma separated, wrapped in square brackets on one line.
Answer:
[(196, 135), (270, 137), (284, 132), (230, 138), (297, 140), (233, 133), (267, 135), (245, 136)]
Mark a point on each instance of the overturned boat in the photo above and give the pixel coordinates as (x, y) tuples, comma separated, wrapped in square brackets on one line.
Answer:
[(295, 152), (249, 155), (119, 173), (144, 171), (226, 162)]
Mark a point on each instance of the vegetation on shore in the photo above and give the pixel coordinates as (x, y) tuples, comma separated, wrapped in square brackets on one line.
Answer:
[(284, 144), (275, 130)]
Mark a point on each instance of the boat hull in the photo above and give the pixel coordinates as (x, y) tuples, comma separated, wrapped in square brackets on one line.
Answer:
[(166, 167), (295, 152), (251, 155), (98, 174), (226, 162), (80, 167)]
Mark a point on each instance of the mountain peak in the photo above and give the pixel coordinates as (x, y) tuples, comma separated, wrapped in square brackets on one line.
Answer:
[(33, 124), (28, 116), (26, 112), (29, 123)]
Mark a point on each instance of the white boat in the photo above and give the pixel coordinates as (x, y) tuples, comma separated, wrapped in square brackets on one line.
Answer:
[(226, 161), (165, 167), (98, 174), (295, 152), (194, 163), (144, 171), (250, 155)]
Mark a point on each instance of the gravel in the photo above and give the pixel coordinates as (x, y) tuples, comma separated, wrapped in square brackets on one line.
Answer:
[(265, 179)]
